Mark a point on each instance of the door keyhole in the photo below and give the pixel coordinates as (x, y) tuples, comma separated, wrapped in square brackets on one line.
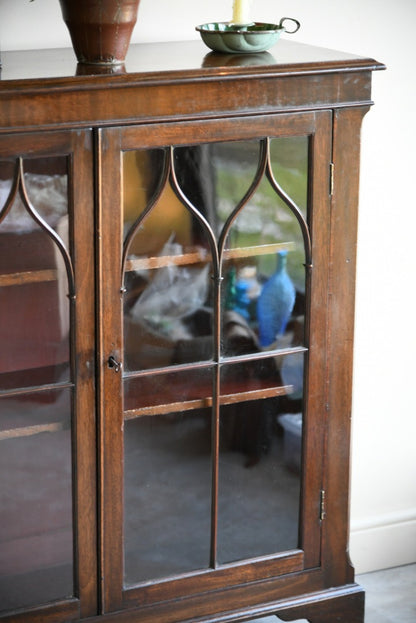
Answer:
[(113, 363)]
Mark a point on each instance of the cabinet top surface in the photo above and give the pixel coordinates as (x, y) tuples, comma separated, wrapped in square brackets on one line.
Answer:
[(172, 60)]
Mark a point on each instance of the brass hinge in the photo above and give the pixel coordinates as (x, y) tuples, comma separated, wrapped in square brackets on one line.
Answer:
[(322, 511), (331, 178)]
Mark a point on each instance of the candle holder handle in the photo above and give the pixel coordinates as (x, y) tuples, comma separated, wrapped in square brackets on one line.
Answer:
[(289, 19)]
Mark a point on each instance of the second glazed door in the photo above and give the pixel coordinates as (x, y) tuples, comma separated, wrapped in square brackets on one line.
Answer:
[(213, 276)]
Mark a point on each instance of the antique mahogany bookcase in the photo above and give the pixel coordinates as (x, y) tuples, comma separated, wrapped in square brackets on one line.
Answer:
[(160, 460)]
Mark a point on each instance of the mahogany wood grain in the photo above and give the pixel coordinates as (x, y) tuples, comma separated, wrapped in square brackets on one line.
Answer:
[(345, 606), (83, 358), (67, 610), (344, 210), (195, 87), (109, 322), (180, 94)]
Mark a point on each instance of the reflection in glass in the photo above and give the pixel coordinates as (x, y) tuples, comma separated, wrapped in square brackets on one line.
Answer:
[(260, 308), (264, 240), (167, 282), (168, 315), (142, 176), (34, 305), (197, 180), (234, 165), (161, 393), (167, 495), (259, 467), (46, 181), (36, 540), (266, 219), (7, 172), (289, 160), (176, 312), (258, 501)]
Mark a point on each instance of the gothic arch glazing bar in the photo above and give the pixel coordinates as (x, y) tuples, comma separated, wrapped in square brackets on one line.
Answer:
[(19, 187)]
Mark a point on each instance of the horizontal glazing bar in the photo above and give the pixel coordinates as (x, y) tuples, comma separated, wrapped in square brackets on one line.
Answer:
[(223, 360), (264, 354), (171, 368)]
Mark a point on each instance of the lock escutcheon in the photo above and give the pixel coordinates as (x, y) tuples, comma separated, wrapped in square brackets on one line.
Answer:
[(114, 364)]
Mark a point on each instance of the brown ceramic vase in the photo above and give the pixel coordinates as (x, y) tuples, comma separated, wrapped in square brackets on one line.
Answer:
[(100, 29)]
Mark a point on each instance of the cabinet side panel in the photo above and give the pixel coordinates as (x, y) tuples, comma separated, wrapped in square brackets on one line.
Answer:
[(317, 320), (346, 156)]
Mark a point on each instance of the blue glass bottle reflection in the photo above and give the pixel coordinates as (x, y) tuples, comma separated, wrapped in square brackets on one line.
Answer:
[(275, 303), (242, 300)]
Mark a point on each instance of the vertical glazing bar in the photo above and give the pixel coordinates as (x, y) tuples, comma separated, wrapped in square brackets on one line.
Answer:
[(216, 415), (261, 167)]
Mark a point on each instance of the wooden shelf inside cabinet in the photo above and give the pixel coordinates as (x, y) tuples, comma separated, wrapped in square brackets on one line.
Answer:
[(200, 256), (44, 392), (29, 431), (232, 393), (24, 278)]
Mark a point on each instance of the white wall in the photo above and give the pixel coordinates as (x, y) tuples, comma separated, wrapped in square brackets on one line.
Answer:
[(383, 505)]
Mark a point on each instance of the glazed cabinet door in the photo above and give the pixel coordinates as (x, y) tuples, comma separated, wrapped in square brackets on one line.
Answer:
[(47, 367), (213, 265)]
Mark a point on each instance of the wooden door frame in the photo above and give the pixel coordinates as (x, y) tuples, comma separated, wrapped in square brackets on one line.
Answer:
[(110, 143)]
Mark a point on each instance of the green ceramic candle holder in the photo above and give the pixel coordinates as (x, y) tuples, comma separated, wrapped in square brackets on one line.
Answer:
[(244, 38)]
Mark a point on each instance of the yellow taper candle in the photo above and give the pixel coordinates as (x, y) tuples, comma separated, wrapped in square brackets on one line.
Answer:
[(241, 12)]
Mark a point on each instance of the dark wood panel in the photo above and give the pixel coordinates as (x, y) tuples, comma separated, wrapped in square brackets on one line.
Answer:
[(214, 97), (344, 209), (215, 579), (184, 86), (232, 603), (158, 102), (315, 331), (83, 361), (170, 60), (109, 321), (53, 613)]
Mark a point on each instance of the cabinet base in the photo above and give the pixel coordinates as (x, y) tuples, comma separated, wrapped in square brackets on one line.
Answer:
[(338, 605), (341, 605)]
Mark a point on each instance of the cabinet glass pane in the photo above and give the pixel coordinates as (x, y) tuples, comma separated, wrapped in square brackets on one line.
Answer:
[(234, 166), (264, 256), (289, 163), (36, 539), (168, 318), (260, 464), (162, 393), (167, 474), (265, 219), (206, 230), (167, 495), (34, 304)]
